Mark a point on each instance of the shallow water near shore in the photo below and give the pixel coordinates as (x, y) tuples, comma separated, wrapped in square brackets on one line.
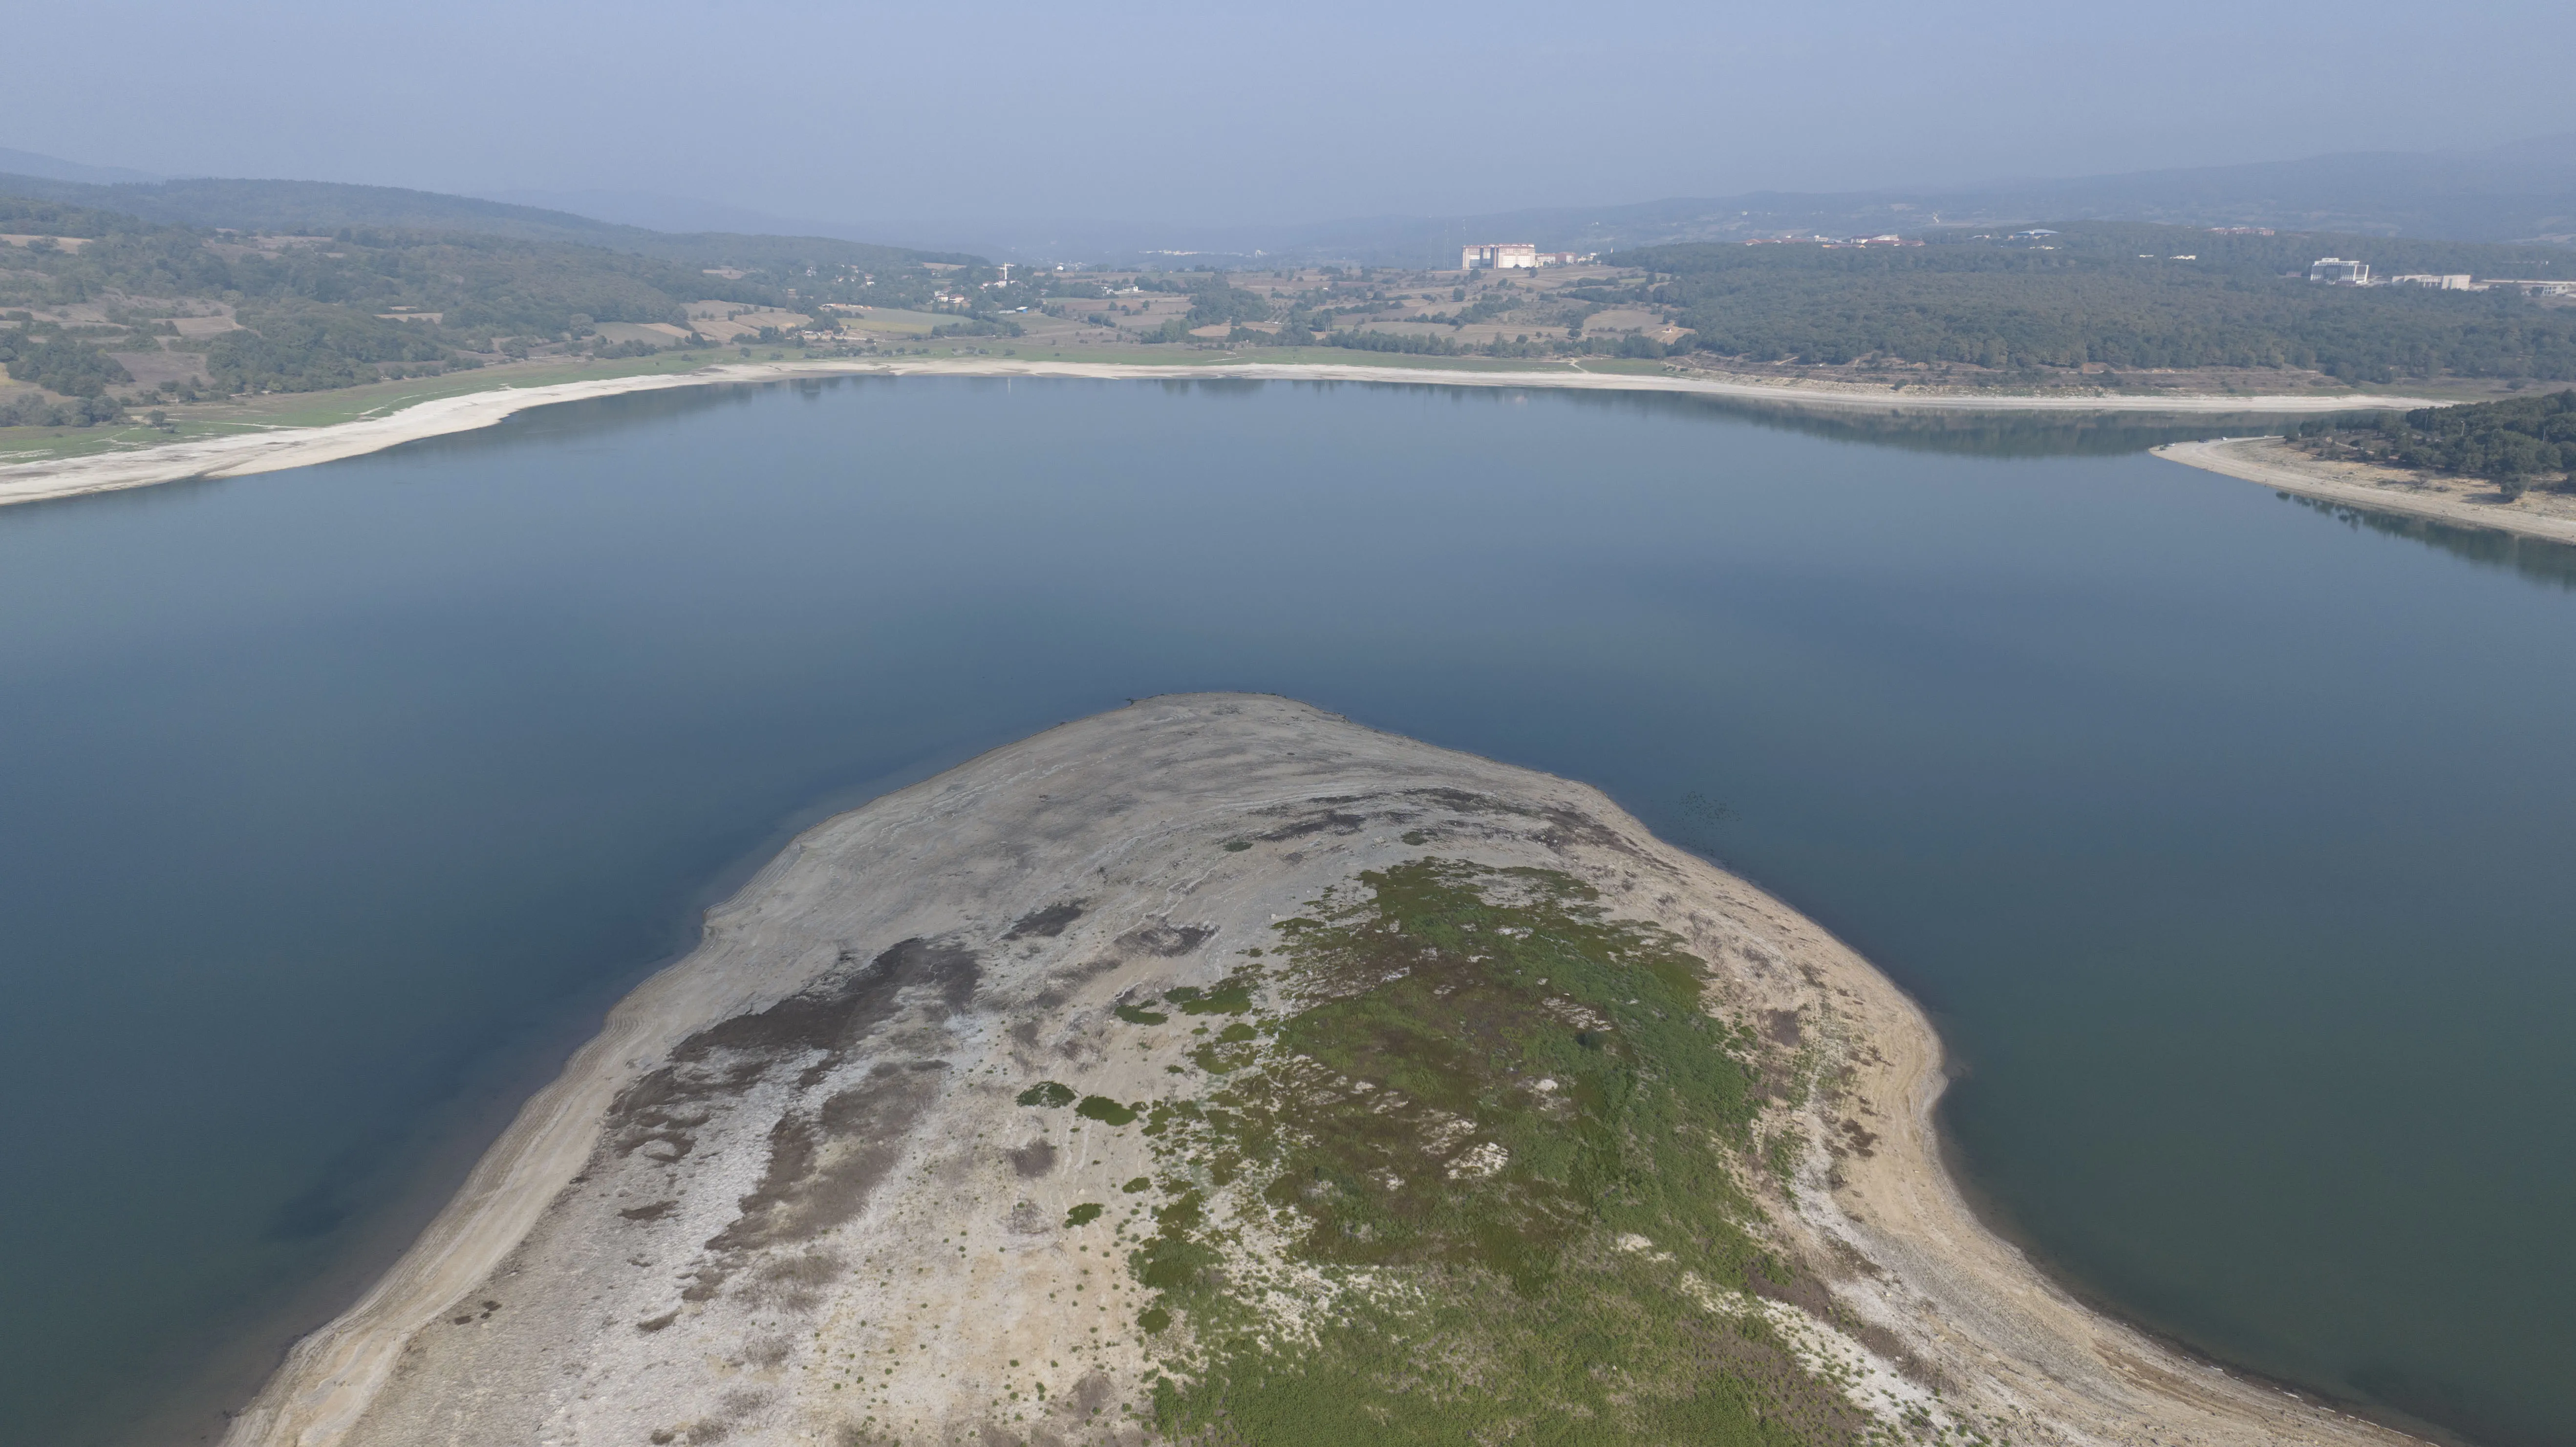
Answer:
[(2225, 837)]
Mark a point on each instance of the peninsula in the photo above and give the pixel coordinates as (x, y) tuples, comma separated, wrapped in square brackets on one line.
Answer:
[(1219, 1066), (2466, 501)]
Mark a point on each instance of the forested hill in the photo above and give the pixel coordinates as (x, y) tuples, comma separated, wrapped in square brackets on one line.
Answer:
[(2125, 295), (101, 308), (324, 208)]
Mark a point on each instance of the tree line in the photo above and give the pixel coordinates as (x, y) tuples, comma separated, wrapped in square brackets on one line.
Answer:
[(2124, 295), (2517, 443)]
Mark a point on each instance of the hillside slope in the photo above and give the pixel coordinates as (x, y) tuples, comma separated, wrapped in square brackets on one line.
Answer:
[(325, 207)]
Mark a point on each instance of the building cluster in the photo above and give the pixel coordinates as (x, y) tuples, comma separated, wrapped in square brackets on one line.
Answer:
[(1515, 256), (2342, 271)]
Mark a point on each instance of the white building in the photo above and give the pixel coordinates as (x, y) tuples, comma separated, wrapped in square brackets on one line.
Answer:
[(2446, 281), (2339, 272), (1499, 256)]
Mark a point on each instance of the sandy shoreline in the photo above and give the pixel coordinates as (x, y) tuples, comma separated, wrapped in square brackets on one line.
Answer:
[(2273, 463), (242, 454), (1129, 808)]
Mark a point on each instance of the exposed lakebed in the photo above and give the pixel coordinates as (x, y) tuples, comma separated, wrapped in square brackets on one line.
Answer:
[(2225, 839)]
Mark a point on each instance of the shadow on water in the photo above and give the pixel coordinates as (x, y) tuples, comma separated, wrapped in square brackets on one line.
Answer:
[(1970, 434)]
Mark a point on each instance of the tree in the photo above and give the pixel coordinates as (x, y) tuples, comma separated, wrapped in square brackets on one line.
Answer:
[(61, 364)]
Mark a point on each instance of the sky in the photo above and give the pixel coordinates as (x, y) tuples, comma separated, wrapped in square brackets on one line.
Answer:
[(1144, 110)]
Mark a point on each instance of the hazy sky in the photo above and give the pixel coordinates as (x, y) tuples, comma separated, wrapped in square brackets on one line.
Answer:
[(1212, 113)]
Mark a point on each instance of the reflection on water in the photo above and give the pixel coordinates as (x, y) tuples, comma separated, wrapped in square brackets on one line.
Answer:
[(2539, 559), (1986, 434), (340, 800)]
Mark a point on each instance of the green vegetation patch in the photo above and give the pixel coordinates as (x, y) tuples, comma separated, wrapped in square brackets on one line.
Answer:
[(1084, 1214), (1049, 1094), (2516, 443), (1495, 1143), (1234, 997), (1102, 1108), (1138, 1015), (2127, 295)]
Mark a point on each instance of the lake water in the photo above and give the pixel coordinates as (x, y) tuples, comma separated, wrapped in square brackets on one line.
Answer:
[(2229, 839)]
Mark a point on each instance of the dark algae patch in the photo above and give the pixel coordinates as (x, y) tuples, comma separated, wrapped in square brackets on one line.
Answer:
[(1045, 923), (1470, 1172)]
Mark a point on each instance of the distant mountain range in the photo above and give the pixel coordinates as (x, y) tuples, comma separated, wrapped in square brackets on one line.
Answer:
[(2524, 191), (55, 168), (328, 206)]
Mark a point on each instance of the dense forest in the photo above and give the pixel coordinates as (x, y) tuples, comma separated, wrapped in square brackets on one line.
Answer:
[(2118, 294), (79, 371), (2516, 443)]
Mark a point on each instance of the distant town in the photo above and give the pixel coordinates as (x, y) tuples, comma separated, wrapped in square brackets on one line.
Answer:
[(1513, 255)]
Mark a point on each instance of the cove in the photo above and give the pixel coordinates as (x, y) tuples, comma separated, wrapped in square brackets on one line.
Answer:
[(2223, 835)]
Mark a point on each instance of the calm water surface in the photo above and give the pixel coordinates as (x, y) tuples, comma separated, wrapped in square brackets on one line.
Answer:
[(2229, 839)]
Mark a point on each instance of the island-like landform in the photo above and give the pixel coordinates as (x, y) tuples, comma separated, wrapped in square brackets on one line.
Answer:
[(1216, 1069)]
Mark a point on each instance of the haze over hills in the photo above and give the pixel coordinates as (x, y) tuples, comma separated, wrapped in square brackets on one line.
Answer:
[(322, 207), (55, 168), (2521, 191), (2524, 191)]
